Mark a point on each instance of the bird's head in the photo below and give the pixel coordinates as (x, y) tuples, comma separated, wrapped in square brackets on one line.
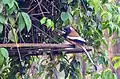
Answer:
[(67, 31)]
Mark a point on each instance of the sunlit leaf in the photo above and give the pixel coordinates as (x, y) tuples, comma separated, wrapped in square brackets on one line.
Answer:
[(114, 41), (107, 74), (105, 25), (106, 15), (117, 62), (1, 28), (12, 35), (1, 7), (69, 1), (110, 28), (96, 4), (43, 20), (115, 76), (116, 58), (50, 23), (27, 21), (16, 4), (4, 52), (105, 42), (12, 20), (118, 19), (118, 9), (108, 7)]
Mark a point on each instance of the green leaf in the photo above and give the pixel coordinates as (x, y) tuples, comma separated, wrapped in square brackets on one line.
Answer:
[(1, 28), (4, 52), (96, 76), (47, 76), (108, 7), (118, 9), (1, 7), (96, 4), (115, 58), (21, 23), (105, 42), (106, 53), (101, 60), (118, 19), (70, 17), (12, 35), (106, 15), (11, 10), (27, 20), (43, 20), (115, 76), (106, 73), (9, 2), (114, 41), (16, 4), (2, 19), (69, 1), (64, 16), (117, 64), (109, 74), (110, 28), (1, 60), (70, 76), (12, 20), (105, 25), (50, 23), (79, 74)]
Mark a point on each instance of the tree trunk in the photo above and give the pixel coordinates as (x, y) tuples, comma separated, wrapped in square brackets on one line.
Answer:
[(112, 49)]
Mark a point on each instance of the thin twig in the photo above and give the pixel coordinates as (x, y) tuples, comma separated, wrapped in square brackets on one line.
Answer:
[(32, 9), (46, 34), (39, 13), (40, 7)]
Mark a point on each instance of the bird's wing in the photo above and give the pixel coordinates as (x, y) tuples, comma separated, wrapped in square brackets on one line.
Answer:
[(76, 38)]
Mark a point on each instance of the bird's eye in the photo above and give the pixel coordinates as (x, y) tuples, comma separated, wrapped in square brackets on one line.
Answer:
[(64, 30)]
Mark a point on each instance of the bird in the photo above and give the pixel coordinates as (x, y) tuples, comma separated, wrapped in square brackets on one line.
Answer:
[(74, 38)]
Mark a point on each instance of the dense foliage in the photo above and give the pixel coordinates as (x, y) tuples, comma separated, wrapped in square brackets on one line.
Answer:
[(91, 18)]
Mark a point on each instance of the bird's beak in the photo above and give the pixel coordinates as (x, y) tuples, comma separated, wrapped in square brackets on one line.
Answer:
[(60, 32)]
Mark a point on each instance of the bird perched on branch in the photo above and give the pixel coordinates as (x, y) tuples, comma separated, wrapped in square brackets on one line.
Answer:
[(73, 37)]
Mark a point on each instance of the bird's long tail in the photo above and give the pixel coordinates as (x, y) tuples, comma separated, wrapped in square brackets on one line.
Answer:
[(89, 57)]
